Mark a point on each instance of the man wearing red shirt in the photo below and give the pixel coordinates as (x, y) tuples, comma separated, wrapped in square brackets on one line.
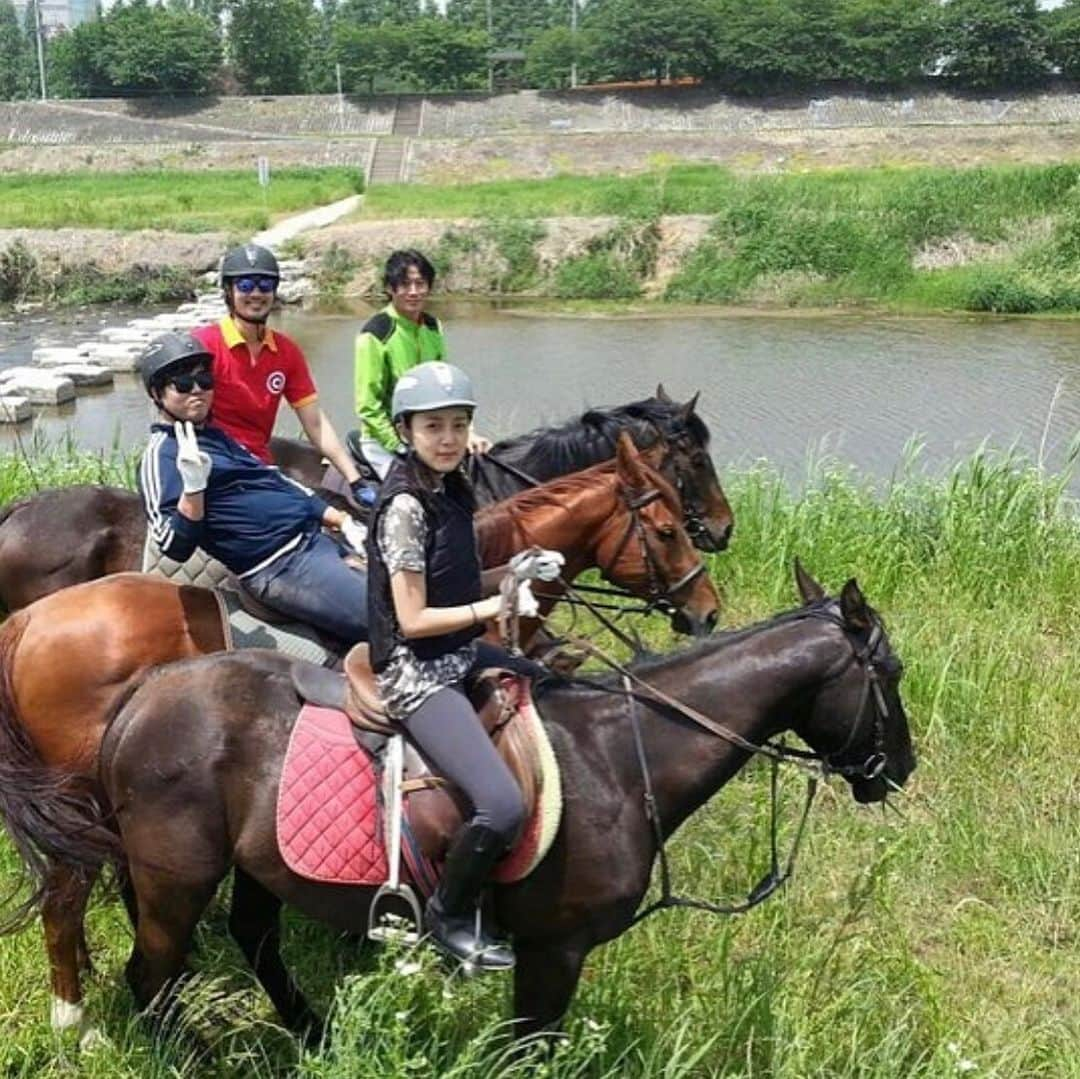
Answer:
[(254, 366)]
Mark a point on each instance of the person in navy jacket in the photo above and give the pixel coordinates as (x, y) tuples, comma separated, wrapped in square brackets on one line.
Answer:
[(201, 488)]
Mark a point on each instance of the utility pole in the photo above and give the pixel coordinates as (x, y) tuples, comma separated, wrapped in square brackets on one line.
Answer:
[(573, 43), (491, 45), (40, 49)]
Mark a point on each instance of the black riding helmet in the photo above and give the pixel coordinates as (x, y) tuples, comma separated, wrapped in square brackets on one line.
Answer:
[(166, 352), (249, 260)]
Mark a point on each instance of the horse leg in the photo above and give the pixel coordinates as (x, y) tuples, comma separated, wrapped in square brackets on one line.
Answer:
[(545, 978), (63, 912), (168, 911), (254, 924)]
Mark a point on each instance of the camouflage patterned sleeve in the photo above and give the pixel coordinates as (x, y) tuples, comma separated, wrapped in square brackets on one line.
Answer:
[(403, 535)]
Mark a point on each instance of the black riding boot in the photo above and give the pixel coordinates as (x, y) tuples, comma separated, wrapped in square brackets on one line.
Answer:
[(451, 916)]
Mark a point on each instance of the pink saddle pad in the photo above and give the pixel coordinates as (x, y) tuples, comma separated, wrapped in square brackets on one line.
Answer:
[(328, 825)]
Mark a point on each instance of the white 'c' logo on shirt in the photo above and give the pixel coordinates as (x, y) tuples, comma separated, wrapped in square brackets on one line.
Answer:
[(275, 382)]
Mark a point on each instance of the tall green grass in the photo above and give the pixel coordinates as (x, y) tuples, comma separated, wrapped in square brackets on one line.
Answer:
[(941, 943), (183, 201)]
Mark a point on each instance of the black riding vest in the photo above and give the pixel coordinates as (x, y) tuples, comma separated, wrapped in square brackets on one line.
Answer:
[(452, 569)]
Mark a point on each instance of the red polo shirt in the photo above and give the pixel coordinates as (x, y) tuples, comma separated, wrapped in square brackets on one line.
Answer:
[(247, 390)]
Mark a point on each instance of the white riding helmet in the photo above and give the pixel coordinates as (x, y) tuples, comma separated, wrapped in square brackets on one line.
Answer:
[(430, 386)]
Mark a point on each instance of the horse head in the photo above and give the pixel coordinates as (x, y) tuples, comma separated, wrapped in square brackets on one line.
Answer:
[(647, 548), (857, 722), (688, 466)]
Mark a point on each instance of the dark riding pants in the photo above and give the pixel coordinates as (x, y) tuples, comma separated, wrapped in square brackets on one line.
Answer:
[(312, 584), (454, 741)]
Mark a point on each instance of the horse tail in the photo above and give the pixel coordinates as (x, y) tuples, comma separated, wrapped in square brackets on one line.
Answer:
[(50, 816)]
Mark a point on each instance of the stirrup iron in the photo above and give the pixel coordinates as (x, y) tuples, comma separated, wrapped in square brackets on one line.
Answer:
[(395, 904)]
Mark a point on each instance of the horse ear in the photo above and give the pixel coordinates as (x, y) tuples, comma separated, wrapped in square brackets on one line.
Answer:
[(653, 455), (809, 589), (662, 394), (628, 462), (853, 606), (687, 410)]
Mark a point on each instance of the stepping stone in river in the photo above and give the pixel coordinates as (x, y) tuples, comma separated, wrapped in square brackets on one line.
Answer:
[(15, 409), (41, 387), (85, 374)]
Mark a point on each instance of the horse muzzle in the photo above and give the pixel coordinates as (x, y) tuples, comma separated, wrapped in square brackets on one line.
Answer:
[(685, 622)]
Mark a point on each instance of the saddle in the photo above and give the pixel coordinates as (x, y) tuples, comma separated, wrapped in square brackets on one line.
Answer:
[(375, 813)]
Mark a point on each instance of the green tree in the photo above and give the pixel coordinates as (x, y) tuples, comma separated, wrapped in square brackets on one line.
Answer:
[(887, 42), (514, 23), (663, 37), (151, 49), (764, 46), (77, 62), (443, 56), (14, 55), (270, 44), (369, 55), (1063, 38), (379, 12), (992, 43)]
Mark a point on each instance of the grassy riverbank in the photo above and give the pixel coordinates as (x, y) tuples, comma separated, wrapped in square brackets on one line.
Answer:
[(203, 201), (1003, 239), (935, 945)]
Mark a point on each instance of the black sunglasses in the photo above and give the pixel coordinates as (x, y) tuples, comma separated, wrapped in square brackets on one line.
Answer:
[(187, 382), (250, 284)]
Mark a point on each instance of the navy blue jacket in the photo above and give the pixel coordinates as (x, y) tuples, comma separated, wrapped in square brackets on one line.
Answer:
[(253, 513)]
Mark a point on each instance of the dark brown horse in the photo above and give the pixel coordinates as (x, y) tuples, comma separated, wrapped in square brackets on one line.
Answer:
[(191, 764), (66, 536), (65, 659)]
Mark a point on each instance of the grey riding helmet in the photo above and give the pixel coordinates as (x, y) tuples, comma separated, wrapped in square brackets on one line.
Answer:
[(167, 351), (247, 261), (429, 386)]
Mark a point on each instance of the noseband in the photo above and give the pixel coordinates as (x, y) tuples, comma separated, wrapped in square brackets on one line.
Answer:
[(658, 598)]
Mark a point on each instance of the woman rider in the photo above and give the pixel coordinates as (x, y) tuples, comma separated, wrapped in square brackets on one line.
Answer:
[(426, 607)]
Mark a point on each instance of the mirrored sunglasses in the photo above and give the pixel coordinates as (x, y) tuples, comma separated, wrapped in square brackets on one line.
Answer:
[(186, 383), (250, 284)]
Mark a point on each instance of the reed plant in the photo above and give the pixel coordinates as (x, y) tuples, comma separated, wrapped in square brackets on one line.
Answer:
[(938, 941)]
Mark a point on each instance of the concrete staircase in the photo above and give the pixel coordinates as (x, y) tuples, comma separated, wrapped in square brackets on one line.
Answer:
[(387, 164)]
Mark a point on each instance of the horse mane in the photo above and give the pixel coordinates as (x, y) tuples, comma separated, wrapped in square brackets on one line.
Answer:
[(611, 682), (562, 448)]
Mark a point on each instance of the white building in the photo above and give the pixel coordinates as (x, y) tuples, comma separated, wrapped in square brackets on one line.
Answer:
[(57, 15)]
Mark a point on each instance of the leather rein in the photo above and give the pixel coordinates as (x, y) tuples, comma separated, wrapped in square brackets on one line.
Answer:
[(816, 766)]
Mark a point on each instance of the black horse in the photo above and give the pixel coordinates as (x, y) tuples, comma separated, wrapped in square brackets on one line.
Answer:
[(191, 761), (68, 535)]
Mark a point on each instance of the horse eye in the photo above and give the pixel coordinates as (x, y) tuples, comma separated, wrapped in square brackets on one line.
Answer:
[(666, 531)]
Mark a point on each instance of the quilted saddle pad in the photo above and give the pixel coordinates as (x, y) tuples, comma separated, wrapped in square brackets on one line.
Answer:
[(328, 824)]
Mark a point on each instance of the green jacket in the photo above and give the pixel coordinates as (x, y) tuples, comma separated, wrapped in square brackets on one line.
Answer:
[(387, 347)]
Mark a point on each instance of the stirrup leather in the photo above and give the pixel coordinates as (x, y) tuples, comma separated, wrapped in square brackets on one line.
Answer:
[(395, 902)]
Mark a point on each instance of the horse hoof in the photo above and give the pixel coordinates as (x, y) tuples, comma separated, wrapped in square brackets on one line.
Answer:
[(93, 1039)]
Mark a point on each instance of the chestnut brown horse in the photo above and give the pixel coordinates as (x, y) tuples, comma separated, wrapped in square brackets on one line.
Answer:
[(65, 536), (65, 659), (192, 759)]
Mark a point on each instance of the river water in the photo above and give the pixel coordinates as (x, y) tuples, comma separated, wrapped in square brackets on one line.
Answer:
[(780, 387)]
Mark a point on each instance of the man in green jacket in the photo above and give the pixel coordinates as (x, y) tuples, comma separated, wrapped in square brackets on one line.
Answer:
[(393, 341)]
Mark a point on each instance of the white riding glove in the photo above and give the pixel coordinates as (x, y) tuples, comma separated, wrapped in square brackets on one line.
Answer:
[(354, 534), (537, 564), (193, 464), (527, 607)]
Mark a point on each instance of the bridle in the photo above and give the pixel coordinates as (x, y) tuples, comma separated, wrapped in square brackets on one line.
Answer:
[(659, 597), (816, 766)]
